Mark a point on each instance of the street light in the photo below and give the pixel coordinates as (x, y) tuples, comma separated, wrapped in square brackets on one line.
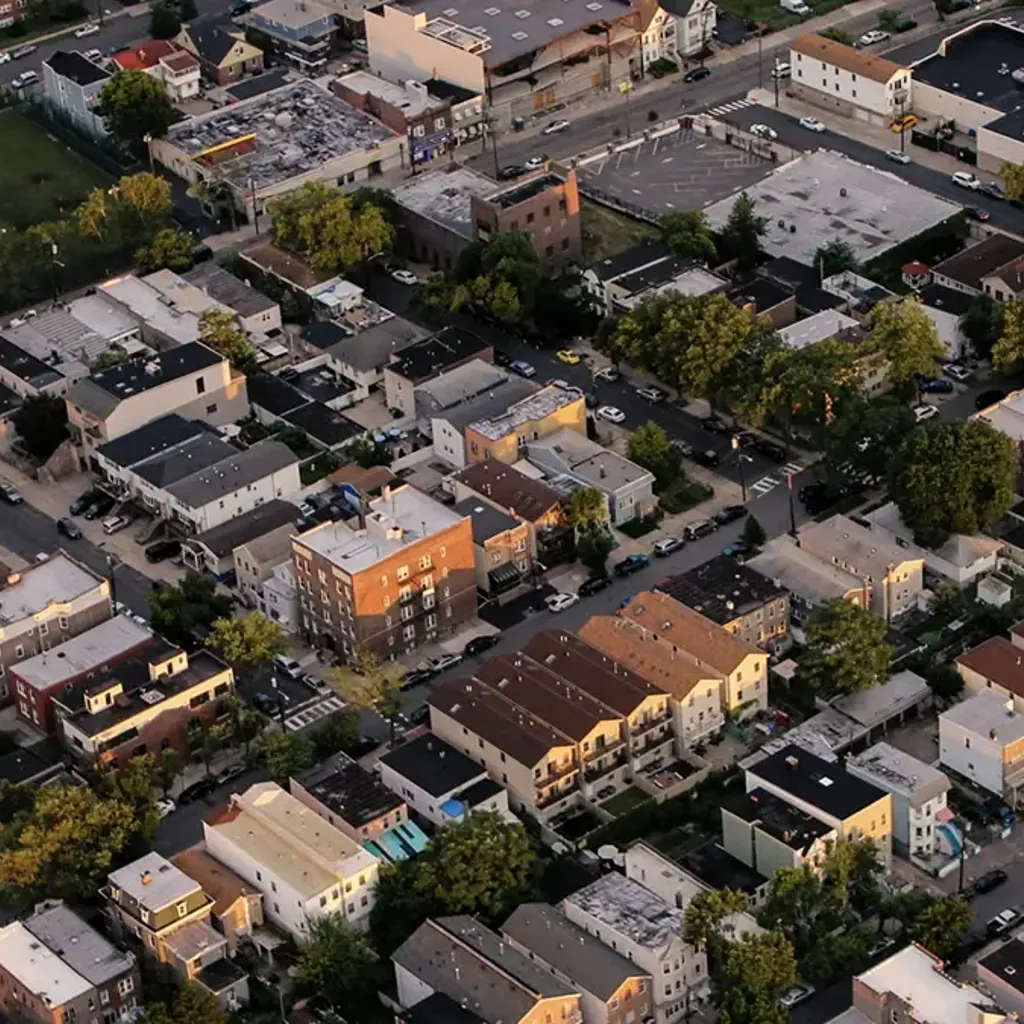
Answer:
[(627, 89), (740, 459)]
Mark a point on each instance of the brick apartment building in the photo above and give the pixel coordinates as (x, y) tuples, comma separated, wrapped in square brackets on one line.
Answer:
[(404, 578), (44, 605)]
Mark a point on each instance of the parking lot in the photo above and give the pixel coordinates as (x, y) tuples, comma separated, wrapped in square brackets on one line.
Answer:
[(675, 172)]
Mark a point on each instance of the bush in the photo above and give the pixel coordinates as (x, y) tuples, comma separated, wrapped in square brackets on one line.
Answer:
[(662, 66), (683, 495), (640, 527)]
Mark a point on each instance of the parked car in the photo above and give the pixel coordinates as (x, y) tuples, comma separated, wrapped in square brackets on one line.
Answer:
[(651, 394), (417, 677), (100, 507), (287, 666), (812, 124), (763, 131), (701, 528), (933, 385), (405, 277), (523, 368), (631, 564), (905, 24), (479, 644), (87, 30), (509, 173), (312, 682), (82, 502), (684, 449), (5, 57), (925, 412), (976, 213), (957, 371), (965, 180), (611, 414), (989, 881), (715, 425), (992, 190), (233, 771), (269, 704), (1004, 921), (69, 528), (556, 127), (608, 374), (535, 163), (990, 397), (874, 36), (905, 123), (896, 156), (568, 356), (502, 358), (707, 458), (114, 524), (24, 79), (559, 602), (730, 514), (10, 495), (696, 75), (737, 549), (783, 70), (594, 585), (797, 994), (162, 550), (165, 806), (445, 662), (664, 548), (22, 51), (203, 788)]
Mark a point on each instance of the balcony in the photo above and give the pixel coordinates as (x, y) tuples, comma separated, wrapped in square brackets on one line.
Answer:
[(610, 765), (650, 742), (647, 724), (556, 796), (556, 773), (603, 751)]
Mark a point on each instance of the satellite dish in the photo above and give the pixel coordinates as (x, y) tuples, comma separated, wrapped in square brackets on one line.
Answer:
[(607, 852), (619, 860)]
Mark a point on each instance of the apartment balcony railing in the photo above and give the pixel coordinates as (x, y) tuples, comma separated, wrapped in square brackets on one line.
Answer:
[(610, 765), (554, 796), (603, 751), (651, 741), (647, 724), (560, 772)]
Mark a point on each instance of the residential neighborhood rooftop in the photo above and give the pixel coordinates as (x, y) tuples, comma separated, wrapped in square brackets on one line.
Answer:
[(897, 771), (232, 473), (628, 908), (722, 589), (445, 196), (153, 882), (987, 714), (78, 944), (356, 795), (249, 526), (59, 579), (506, 486), (441, 351), (37, 968)]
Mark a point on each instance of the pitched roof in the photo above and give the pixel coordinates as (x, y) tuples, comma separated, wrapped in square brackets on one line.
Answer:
[(981, 259), (152, 439), (997, 659), (221, 884), (878, 69), (232, 473), (688, 631), (147, 55), (523, 496), (212, 39), (245, 529)]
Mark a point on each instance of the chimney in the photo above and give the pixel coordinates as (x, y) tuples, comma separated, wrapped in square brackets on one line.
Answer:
[(145, 878)]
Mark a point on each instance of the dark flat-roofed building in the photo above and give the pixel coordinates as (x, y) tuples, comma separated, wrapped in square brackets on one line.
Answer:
[(761, 296), (351, 798), (718, 869), (323, 426), (272, 397), (361, 357), (1002, 974), (72, 84), (26, 375), (148, 442), (966, 271), (736, 597)]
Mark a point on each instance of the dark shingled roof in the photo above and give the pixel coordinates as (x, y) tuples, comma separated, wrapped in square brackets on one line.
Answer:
[(152, 439), (223, 539), (433, 765)]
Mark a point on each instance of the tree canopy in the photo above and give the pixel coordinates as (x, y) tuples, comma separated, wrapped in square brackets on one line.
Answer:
[(762, 963), (863, 434), (193, 604), (219, 329), (941, 926), (649, 446), (903, 334), (252, 640), (284, 755), (337, 964), (953, 477), (163, 21), (168, 249), (192, 1004), (740, 239), (1008, 350), (688, 235), (846, 648), (834, 257), (1013, 179), (42, 423), (982, 324), (587, 508), (365, 684), (134, 104), (499, 278)]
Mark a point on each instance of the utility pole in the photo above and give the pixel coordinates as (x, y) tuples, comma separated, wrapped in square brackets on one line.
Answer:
[(775, 75), (739, 463), (792, 511), (627, 88), (112, 564), (760, 64)]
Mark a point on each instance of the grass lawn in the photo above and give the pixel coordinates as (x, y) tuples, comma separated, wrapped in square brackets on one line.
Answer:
[(606, 232), (625, 801), (40, 178)]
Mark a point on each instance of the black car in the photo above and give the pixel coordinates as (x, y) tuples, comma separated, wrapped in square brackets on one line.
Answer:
[(269, 705), (163, 549), (989, 881), (417, 677), (715, 425), (696, 74), (770, 449), (509, 173), (198, 790), (502, 358), (709, 459), (992, 190), (730, 514), (100, 507), (594, 585), (69, 528), (987, 398), (631, 564), (975, 213), (420, 715), (479, 644), (82, 502)]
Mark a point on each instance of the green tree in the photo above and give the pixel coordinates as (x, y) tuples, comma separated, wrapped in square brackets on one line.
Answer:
[(284, 755), (1013, 180), (219, 329), (338, 732), (93, 213), (890, 20), (688, 235), (337, 964), (588, 508), (368, 453), (163, 21), (649, 446), (105, 360), (753, 532), (741, 1006), (365, 684), (800, 906), (853, 873), (593, 546), (192, 1004), (906, 338), (835, 256), (941, 927), (863, 434), (499, 278), (740, 239), (137, 784), (134, 104), (191, 605), (846, 649), (167, 769), (762, 963), (42, 423), (252, 640), (147, 196), (323, 225), (953, 477), (246, 723), (982, 324), (168, 249), (1008, 351), (706, 922), (838, 35), (15, 801), (65, 846)]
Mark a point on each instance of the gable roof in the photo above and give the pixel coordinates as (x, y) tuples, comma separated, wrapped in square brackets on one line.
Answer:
[(147, 55), (840, 55), (212, 39), (217, 881), (247, 528), (523, 496), (969, 266), (997, 659)]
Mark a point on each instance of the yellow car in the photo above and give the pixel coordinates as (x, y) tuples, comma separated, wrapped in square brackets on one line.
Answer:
[(566, 355), (905, 123)]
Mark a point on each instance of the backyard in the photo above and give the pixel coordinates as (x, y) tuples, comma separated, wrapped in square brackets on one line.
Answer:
[(40, 179), (606, 232)]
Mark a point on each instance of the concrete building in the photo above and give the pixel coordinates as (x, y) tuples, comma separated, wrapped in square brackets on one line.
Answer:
[(750, 605), (192, 380), (446, 210), (468, 120), (37, 681), (569, 455), (893, 577), (178, 70), (55, 968), (918, 793), (996, 665), (982, 739), (646, 929), (168, 914), (460, 958), (1001, 972), (612, 989), (302, 33), (44, 605), (72, 84), (304, 866), (269, 145), (440, 783), (501, 546), (522, 68), (256, 560), (404, 578), (851, 82), (854, 808), (142, 705)]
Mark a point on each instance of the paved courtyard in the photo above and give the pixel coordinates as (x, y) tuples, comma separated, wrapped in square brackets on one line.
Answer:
[(681, 171)]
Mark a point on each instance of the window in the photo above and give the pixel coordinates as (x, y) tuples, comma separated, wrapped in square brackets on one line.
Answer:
[(126, 985), (19, 651), (104, 997), (547, 211), (200, 386), (182, 909), (405, 593), (211, 408), (529, 218), (549, 250), (418, 131), (425, 562), (403, 573)]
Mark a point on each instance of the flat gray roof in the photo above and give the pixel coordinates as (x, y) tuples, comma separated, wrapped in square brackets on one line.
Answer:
[(462, 383), (872, 707), (445, 197), (817, 327), (59, 578), (877, 212), (898, 772), (229, 474), (631, 909), (153, 881), (601, 467), (81, 947), (985, 712), (535, 407)]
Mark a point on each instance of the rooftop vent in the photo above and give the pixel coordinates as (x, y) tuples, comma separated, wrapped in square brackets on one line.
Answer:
[(519, 36), (555, 22)]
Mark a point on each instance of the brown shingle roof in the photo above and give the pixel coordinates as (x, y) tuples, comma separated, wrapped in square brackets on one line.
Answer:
[(629, 644), (217, 881), (487, 714), (997, 659), (523, 496), (981, 259), (688, 631), (846, 57)]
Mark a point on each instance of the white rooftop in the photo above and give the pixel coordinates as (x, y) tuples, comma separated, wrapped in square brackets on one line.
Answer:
[(58, 579), (445, 197), (901, 691), (146, 303), (629, 908), (462, 383), (185, 296), (961, 550), (822, 196), (399, 517), (81, 654), (802, 573), (896, 771), (38, 969), (986, 713), (153, 881), (98, 313), (692, 281), (411, 97), (819, 327), (1006, 416)]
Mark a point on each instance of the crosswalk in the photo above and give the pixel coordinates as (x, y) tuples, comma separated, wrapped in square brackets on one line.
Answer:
[(730, 108), (769, 483), (306, 714)]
